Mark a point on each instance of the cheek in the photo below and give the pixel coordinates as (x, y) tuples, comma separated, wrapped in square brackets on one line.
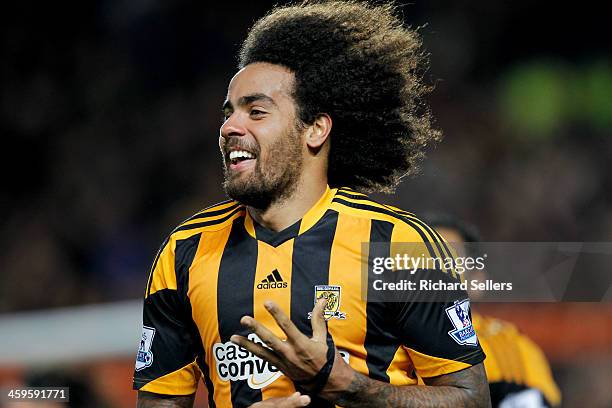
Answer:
[(277, 142)]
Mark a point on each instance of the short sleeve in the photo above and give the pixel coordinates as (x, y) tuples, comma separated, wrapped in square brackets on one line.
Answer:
[(439, 335), (436, 348), (168, 348), (433, 317)]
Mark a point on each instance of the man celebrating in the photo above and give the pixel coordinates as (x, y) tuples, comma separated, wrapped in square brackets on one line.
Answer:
[(326, 105)]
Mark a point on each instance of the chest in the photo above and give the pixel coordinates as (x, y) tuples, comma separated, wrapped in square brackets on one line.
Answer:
[(293, 275)]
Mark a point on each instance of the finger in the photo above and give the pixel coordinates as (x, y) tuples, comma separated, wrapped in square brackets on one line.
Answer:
[(293, 401), (263, 333), (304, 400), (257, 349), (292, 332), (319, 327), (296, 400)]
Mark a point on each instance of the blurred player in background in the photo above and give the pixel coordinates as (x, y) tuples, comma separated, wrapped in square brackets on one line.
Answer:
[(517, 370), (327, 102)]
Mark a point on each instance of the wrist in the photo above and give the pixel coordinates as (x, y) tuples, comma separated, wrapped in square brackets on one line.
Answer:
[(340, 379)]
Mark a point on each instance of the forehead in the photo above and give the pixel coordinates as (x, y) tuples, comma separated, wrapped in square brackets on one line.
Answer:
[(261, 78)]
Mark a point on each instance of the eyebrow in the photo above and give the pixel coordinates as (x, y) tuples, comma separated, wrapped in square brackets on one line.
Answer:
[(248, 99)]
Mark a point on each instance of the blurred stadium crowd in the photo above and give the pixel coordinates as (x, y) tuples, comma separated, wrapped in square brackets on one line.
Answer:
[(109, 113)]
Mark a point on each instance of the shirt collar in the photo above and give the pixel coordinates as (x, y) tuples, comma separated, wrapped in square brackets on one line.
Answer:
[(312, 216)]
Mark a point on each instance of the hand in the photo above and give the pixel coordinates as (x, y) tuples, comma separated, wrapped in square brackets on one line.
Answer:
[(293, 401), (300, 358)]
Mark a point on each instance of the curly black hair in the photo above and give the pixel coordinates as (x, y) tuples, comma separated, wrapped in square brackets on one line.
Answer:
[(356, 62)]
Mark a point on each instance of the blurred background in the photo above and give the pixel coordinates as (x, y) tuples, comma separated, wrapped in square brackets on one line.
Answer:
[(109, 115)]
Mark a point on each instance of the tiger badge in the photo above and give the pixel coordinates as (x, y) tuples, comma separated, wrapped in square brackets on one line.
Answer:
[(332, 294)]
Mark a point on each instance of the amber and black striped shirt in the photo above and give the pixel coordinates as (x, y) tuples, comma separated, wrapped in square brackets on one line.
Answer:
[(220, 265)]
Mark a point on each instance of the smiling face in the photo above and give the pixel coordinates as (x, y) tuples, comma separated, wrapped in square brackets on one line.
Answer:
[(261, 139)]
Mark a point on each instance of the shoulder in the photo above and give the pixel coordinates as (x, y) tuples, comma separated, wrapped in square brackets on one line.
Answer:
[(351, 202), (180, 246), (407, 227), (213, 218)]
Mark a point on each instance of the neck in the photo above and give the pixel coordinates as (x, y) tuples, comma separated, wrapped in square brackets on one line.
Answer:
[(284, 213)]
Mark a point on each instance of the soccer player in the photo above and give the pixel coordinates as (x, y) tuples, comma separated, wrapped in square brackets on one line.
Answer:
[(262, 295), (517, 370)]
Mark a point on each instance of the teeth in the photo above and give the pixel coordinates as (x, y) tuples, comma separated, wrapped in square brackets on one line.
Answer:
[(240, 154)]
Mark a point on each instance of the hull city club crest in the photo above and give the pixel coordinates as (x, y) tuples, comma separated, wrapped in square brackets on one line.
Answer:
[(464, 332), (332, 294)]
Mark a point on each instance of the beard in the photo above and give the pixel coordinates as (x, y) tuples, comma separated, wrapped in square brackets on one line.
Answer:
[(274, 177)]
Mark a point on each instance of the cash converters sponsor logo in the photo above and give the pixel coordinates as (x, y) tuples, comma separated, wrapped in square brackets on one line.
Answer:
[(236, 363), (272, 281)]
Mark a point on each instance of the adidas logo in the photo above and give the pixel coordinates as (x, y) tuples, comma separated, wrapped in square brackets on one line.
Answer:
[(272, 281)]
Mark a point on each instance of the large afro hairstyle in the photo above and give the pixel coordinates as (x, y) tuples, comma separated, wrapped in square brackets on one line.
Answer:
[(358, 63)]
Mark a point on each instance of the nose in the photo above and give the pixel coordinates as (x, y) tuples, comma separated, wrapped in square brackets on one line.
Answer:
[(232, 127)]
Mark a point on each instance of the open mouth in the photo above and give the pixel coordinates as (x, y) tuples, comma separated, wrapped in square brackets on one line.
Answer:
[(239, 159)]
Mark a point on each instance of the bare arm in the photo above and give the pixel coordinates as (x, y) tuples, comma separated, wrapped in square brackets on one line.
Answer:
[(466, 388), (300, 358), (151, 400)]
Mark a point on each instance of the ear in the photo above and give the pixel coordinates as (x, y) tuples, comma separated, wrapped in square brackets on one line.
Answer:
[(319, 131)]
